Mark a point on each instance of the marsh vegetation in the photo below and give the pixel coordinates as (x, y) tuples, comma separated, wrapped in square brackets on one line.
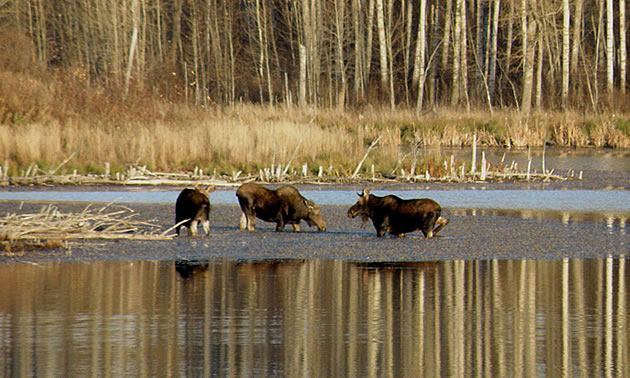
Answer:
[(231, 86)]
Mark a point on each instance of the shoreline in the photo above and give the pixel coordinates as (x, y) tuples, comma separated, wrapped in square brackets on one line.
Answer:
[(590, 180)]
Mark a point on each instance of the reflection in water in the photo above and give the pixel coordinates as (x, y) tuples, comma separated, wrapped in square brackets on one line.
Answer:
[(188, 268), (613, 219), (318, 317)]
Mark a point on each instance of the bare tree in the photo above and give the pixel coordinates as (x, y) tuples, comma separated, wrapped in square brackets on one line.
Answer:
[(446, 36), (622, 46), (339, 42), (529, 38), (510, 37), (382, 43), (418, 78), (577, 34), (359, 49), (565, 51), (539, 71), (610, 48), (457, 55), (493, 48)]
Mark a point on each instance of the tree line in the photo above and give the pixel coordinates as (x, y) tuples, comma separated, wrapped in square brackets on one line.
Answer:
[(488, 54)]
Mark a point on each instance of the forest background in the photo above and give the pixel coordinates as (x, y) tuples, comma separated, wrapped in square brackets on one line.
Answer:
[(243, 84)]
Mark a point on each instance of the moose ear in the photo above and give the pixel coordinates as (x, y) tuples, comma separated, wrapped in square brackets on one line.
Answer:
[(366, 192), (309, 204)]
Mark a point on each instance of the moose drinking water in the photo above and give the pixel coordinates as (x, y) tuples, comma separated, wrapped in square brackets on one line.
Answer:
[(396, 216), (282, 206), (194, 206)]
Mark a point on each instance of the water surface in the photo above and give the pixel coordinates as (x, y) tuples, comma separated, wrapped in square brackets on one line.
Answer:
[(583, 200), (316, 317)]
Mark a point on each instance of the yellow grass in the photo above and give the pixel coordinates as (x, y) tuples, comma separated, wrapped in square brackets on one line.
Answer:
[(249, 137), (51, 224)]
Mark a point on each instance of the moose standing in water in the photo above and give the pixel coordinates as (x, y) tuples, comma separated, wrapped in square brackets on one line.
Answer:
[(396, 216), (282, 206), (194, 206)]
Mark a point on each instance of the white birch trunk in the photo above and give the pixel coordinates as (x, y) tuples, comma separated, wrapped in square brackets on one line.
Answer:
[(577, 34), (302, 84), (455, 88), (610, 46), (463, 60), (390, 53), (382, 41), (446, 36), (622, 46), (370, 38), (261, 52), (539, 70), (492, 72), (418, 67), (528, 56), (565, 52), (358, 48)]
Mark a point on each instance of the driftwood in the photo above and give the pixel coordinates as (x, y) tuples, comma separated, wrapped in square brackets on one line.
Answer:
[(141, 176), (104, 223)]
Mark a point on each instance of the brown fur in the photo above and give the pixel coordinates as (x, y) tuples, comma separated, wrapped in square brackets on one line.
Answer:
[(282, 206), (193, 205), (396, 216)]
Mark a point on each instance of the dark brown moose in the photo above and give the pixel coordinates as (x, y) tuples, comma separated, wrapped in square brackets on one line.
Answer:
[(193, 206), (282, 206), (396, 216)]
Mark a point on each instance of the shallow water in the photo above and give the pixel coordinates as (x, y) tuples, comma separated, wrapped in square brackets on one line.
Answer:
[(555, 158), (316, 317), (521, 282), (562, 200)]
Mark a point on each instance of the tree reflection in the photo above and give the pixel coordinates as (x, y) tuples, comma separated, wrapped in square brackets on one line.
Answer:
[(316, 317)]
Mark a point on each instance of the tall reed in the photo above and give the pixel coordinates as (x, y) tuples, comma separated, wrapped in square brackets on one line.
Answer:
[(249, 137)]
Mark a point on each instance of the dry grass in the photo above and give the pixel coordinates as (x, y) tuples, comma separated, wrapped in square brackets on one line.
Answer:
[(50, 224), (45, 120)]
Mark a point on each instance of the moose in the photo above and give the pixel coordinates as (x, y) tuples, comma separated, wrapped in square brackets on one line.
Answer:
[(396, 216), (283, 206), (193, 207)]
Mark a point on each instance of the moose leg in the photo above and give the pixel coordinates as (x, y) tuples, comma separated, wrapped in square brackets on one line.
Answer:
[(382, 226), (248, 221), (206, 226), (280, 223), (429, 224), (251, 222), (440, 223), (296, 227), (193, 228)]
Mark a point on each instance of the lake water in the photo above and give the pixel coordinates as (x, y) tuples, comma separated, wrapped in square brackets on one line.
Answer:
[(316, 318), (582, 200), (325, 317), (555, 158)]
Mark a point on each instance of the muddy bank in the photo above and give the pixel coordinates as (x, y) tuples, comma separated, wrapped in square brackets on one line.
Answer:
[(470, 235)]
